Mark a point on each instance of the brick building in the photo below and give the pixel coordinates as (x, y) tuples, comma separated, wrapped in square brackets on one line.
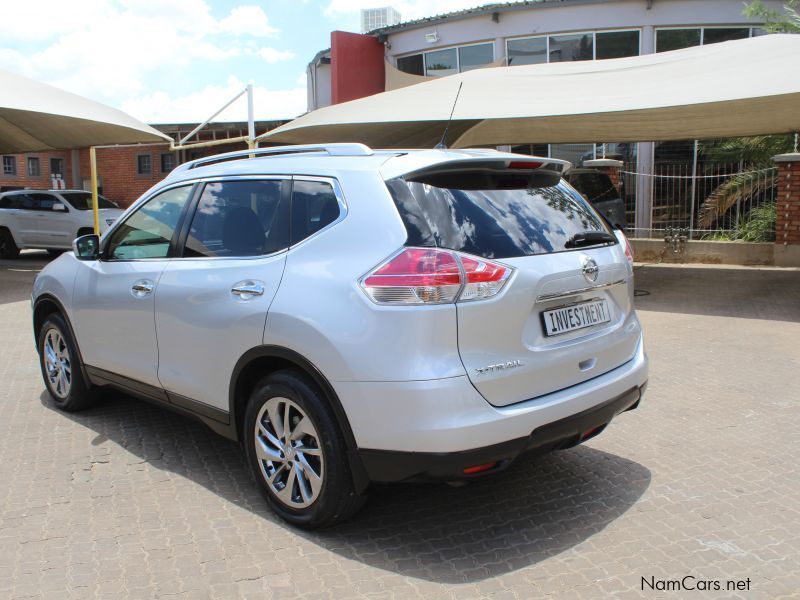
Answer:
[(124, 173)]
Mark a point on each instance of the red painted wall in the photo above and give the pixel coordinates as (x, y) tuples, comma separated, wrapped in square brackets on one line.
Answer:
[(357, 66)]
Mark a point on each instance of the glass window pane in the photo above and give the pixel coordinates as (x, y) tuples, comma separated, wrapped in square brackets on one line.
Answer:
[(314, 205), (56, 166), (239, 218), (441, 63), (492, 223), (411, 64), (148, 231), (472, 57), (617, 44), (675, 39), (576, 46), (528, 51), (574, 153), (713, 35)]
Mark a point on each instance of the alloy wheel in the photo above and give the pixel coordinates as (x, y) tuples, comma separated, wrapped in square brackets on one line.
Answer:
[(289, 453), (58, 365)]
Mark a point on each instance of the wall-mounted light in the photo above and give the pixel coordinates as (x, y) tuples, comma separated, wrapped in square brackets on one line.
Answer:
[(432, 37)]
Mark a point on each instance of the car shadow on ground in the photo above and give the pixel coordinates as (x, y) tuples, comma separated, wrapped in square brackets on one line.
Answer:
[(745, 293), (538, 508)]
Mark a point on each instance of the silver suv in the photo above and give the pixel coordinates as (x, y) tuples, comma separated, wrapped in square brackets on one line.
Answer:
[(354, 316)]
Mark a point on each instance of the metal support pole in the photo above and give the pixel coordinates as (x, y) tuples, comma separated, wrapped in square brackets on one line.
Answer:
[(251, 124), (694, 188), (95, 206)]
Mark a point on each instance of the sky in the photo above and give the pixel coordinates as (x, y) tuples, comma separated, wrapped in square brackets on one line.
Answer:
[(168, 61)]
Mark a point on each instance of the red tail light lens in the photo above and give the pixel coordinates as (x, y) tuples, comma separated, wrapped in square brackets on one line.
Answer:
[(627, 246), (434, 276)]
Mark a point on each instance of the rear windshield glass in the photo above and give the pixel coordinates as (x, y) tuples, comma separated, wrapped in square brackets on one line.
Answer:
[(493, 223), (83, 200)]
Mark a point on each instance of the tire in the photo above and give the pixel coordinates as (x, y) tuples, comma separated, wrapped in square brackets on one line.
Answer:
[(60, 365), (312, 488), (55, 252), (84, 231), (8, 248)]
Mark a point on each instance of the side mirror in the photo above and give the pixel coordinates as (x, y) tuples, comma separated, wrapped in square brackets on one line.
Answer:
[(87, 247), (58, 207)]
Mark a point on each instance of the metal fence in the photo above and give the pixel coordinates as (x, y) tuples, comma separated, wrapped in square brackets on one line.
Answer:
[(683, 193)]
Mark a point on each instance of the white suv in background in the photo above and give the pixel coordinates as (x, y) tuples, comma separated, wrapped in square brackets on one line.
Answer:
[(49, 219), (351, 315)]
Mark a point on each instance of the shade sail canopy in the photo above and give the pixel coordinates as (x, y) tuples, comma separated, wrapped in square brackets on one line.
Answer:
[(35, 116), (738, 88)]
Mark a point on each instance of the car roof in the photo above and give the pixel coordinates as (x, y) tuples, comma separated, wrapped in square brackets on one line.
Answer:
[(330, 159)]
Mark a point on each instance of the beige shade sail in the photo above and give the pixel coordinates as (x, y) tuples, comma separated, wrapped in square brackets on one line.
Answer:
[(738, 88), (35, 117)]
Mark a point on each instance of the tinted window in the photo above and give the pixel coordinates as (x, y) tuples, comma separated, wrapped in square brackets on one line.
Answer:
[(83, 200), (314, 206), (44, 202), (239, 218), (577, 46), (441, 62), (493, 223), (616, 44), (472, 57), (676, 39), (713, 35), (12, 201), (148, 231), (411, 64), (530, 51)]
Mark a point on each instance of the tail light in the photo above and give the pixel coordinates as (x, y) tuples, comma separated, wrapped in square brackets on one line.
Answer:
[(434, 276), (623, 239)]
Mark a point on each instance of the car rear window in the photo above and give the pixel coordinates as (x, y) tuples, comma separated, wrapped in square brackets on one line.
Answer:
[(83, 200), (493, 223)]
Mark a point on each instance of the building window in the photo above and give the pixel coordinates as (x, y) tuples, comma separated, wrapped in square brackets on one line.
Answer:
[(616, 44), (33, 166), (677, 39), (56, 167), (414, 64), (573, 47), (527, 51), (167, 162), (439, 63), (474, 57), (9, 165), (143, 166)]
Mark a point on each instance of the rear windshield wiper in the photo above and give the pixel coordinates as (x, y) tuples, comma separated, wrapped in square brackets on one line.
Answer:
[(589, 238)]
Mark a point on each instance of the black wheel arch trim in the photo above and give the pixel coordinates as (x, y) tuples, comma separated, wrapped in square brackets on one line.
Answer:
[(357, 469), (46, 297)]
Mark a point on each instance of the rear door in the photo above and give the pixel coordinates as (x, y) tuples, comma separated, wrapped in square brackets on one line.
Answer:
[(52, 223), (211, 303), (564, 317)]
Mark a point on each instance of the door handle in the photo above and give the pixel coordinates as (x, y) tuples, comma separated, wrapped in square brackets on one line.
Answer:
[(142, 288), (247, 289)]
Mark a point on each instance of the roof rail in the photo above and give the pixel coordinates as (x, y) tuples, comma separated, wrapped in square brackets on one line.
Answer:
[(331, 149)]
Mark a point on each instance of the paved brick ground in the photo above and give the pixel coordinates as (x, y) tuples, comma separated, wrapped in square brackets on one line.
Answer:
[(127, 500)]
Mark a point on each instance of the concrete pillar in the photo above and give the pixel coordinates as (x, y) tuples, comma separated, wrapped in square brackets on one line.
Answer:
[(787, 226), (609, 166)]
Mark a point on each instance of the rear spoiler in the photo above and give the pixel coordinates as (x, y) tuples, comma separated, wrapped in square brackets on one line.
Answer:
[(487, 173)]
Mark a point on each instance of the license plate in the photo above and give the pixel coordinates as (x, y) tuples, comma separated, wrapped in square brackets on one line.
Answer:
[(576, 316)]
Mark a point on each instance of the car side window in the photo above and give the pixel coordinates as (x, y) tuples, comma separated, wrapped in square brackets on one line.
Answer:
[(314, 206), (147, 232), (239, 218), (44, 202)]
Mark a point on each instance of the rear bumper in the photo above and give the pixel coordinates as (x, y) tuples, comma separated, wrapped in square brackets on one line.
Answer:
[(386, 465), (449, 415)]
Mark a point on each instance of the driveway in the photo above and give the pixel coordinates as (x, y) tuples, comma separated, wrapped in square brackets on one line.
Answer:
[(128, 500)]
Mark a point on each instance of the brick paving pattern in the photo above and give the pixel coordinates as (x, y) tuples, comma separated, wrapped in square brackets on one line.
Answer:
[(130, 501)]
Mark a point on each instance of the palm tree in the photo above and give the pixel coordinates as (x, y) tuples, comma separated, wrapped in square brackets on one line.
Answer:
[(755, 153), (774, 21)]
